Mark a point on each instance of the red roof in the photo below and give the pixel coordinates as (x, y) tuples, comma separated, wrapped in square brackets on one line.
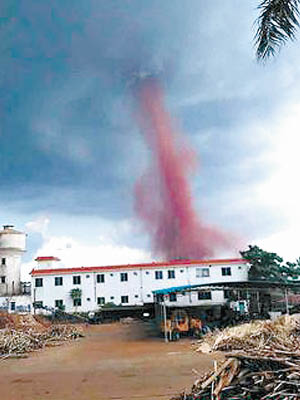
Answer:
[(136, 266), (51, 258)]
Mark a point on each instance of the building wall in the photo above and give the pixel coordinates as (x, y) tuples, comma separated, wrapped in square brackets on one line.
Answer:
[(21, 303), (12, 247), (139, 286), (187, 299), (47, 263), (10, 272)]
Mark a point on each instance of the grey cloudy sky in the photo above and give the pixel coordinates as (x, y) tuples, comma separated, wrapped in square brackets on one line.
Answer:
[(70, 148)]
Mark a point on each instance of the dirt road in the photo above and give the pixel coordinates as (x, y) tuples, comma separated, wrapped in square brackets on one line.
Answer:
[(112, 362)]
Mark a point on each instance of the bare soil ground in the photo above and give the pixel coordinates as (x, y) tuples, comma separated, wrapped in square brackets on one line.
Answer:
[(114, 361)]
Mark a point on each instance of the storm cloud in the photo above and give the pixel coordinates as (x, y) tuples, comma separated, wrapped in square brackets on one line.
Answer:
[(69, 142)]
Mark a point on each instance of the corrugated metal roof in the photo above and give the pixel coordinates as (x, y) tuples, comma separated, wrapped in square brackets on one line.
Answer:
[(174, 289), (254, 284)]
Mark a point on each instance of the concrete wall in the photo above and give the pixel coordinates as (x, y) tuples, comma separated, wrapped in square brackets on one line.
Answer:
[(16, 303), (50, 263), (12, 247), (187, 299), (10, 272)]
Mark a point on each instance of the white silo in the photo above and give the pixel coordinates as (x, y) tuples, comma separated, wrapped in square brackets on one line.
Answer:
[(12, 247)]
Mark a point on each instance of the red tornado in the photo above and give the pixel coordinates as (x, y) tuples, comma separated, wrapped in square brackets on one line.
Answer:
[(163, 194)]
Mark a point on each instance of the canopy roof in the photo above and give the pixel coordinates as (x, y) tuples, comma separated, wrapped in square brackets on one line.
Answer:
[(253, 284)]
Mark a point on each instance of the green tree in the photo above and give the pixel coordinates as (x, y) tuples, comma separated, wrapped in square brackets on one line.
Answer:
[(291, 270), (263, 265), (76, 294), (277, 23)]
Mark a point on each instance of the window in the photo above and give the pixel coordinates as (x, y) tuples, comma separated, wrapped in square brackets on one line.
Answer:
[(38, 282), (147, 272), (13, 306), (100, 278), (124, 299), (38, 304), (182, 270), (171, 274), (77, 280), (100, 301), (59, 303), (202, 272), (148, 295), (111, 274), (158, 274), (3, 261), (226, 271), (135, 273), (2, 279), (111, 297), (173, 297), (87, 276), (58, 281), (77, 302), (88, 299), (124, 276), (204, 295), (136, 296)]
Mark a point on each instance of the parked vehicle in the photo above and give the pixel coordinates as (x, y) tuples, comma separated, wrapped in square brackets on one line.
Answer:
[(181, 323)]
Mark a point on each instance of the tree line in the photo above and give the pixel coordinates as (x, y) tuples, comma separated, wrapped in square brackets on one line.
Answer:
[(270, 266)]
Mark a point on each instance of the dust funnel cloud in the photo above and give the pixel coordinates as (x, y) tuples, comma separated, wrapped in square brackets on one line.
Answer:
[(163, 194)]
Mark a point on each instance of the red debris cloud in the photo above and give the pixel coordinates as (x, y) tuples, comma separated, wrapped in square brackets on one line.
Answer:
[(163, 194)]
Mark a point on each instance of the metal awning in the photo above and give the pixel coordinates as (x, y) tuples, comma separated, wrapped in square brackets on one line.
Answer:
[(239, 285)]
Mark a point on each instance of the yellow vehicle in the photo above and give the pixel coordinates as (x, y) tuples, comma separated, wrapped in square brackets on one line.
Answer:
[(180, 323)]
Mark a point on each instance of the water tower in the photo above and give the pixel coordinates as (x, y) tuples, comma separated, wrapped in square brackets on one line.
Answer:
[(12, 247)]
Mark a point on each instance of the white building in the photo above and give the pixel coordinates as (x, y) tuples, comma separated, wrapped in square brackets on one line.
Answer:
[(12, 248), (130, 285)]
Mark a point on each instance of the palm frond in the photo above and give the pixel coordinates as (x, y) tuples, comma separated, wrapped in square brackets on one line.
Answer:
[(277, 23)]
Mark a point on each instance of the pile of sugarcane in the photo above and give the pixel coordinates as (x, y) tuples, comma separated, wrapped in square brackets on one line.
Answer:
[(14, 341), (243, 377), (254, 336), (263, 363), (62, 333)]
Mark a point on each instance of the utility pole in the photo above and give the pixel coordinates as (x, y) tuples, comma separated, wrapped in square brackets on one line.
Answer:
[(165, 319), (286, 300)]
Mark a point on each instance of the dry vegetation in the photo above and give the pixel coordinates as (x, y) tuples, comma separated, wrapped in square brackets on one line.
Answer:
[(263, 363), (20, 334)]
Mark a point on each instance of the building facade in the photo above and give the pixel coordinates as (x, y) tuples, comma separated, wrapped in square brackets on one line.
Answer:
[(12, 291), (129, 285)]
